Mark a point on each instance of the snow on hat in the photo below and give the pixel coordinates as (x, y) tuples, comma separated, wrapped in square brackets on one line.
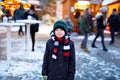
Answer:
[(60, 24)]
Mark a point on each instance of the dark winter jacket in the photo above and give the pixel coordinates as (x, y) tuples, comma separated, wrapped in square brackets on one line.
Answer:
[(99, 20), (34, 27), (113, 21), (59, 69), (18, 13), (84, 24)]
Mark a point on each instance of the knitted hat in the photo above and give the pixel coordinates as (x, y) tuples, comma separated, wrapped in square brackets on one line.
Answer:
[(60, 24)]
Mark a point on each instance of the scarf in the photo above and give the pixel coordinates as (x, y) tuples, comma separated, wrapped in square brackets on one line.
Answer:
[(66, 47)]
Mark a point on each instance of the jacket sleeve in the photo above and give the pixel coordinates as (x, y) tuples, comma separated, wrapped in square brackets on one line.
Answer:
[(24, 15), (45, 61), (72, 63)]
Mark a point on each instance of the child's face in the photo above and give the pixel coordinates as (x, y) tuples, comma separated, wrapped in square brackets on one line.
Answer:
[(59, 32)]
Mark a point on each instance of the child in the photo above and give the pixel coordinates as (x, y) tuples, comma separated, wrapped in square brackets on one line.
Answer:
[(59, 57)]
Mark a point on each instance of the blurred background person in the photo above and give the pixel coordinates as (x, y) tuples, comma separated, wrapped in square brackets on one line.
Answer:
[(84, 26), (69, 24), (119, 23), (101, 25), (6, 13), (113, 23), (33, 27), (18, 16)]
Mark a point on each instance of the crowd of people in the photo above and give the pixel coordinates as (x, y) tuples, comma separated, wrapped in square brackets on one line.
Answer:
[(20, 14), (85, 24), (101, 20)]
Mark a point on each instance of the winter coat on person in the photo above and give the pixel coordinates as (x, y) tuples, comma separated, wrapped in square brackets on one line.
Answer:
[(101, 24), (31, 12), (59, 57), (118, 23), (100, 21), (69, 24), (113, 21), (19, 12), (84, 24)]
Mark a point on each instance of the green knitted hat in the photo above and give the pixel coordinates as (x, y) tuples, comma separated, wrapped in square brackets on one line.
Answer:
[(60, 24)]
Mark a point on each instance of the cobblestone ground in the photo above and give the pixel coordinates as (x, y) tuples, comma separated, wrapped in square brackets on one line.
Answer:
[(95, 65)]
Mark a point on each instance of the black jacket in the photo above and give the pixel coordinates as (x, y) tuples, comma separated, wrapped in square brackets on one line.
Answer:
[(100, 24), (18, 13), (59, 69), (34, 27), (113, 21)]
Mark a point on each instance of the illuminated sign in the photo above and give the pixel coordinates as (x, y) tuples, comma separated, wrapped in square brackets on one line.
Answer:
[(81, 5)]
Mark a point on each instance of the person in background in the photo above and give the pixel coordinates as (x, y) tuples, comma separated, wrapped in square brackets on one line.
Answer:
[(90, 18), (118, 23), (69, 24), (113, 23), (101, 25), (6, 13), (84, 26), (59, 57), (18, 16), (33, 27)]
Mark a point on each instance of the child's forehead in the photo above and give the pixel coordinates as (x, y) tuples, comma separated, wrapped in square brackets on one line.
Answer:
[(59, 28)]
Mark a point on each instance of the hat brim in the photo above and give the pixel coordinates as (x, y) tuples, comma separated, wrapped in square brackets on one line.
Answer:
[(59, 27)]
